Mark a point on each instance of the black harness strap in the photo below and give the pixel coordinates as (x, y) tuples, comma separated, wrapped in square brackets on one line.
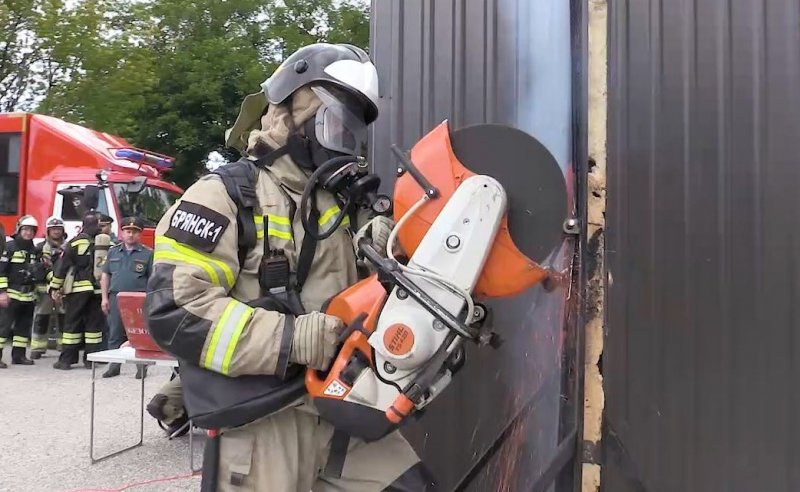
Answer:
[(239, 179), (309, 247), (340, 442)]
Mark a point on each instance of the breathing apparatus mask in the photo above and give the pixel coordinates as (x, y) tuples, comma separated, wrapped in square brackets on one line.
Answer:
[(331, 146)]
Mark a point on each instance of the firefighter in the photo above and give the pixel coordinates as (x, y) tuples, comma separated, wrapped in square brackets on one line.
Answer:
[(222, 311), (21, 269), (84, 319), (127, 268), (50, 250)]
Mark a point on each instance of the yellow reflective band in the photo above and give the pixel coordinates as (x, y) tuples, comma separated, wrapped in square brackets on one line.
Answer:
[(41, 289), (226, 336), (18, 257), (3, 282), (93, 337), (331, 215), (56, 283), (20, 342), (3, 340), (279, 234), (81, 245), (21, 296), (67, 341), (82, 286), (226, 362), (72, 335), (38, 343), (170, 249), (277, 219), (259, 221)]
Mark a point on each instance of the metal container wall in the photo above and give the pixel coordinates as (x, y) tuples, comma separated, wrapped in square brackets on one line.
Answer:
[(498, 426), (702, 360)]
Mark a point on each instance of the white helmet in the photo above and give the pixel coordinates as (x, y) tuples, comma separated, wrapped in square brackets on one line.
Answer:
[(27, 220), (345, 69), (54, 222)]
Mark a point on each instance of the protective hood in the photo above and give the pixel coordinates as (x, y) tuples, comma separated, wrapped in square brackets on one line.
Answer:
[(272, 132)]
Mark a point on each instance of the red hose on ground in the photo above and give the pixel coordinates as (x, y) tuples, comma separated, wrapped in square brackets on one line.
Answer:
[(140, 484)]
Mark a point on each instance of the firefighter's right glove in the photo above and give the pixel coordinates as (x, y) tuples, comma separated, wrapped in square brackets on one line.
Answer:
[(314, 342)]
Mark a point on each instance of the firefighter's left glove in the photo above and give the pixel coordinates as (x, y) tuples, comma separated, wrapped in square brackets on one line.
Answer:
[(377, 229), (314, 342)]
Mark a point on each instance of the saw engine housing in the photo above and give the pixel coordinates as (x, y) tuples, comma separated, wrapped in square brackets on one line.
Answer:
[(407, 325)]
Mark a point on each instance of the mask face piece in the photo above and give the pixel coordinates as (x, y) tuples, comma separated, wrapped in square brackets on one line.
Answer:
[(337, 126)]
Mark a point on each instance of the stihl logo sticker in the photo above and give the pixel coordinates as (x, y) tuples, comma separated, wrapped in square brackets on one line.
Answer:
[(398, 339), (197, 226), (335, 389)]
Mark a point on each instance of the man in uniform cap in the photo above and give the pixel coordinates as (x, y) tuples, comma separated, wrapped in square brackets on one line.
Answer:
[(105, 227), (127, 269)]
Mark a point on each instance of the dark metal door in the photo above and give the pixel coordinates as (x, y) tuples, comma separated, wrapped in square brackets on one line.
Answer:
[(703, 357)]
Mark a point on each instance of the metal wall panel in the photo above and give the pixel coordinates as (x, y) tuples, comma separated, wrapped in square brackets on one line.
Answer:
[(498, 426), (701, 361)]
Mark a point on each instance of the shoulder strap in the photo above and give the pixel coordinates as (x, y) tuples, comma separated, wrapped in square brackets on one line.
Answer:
[(309, 247), (240, 179)]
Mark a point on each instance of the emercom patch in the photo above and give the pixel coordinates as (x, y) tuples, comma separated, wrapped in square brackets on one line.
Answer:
[(197, 226)]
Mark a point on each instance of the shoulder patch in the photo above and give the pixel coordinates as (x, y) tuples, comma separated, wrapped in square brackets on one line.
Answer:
[(197, 226)]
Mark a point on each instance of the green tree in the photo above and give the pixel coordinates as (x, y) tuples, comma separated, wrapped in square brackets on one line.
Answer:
[(46, 42), (172, 75)]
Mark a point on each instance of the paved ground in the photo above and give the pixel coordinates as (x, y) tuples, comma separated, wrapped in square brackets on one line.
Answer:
[(44, 433)]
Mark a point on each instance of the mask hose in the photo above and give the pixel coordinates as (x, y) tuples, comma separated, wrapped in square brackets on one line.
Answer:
[(336, 162)]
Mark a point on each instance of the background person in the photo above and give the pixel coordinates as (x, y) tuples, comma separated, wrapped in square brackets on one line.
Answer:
[(127, 268), (51, 250), (21, 269)]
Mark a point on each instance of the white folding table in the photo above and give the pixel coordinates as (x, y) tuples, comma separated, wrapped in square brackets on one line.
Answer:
[(128, 355)]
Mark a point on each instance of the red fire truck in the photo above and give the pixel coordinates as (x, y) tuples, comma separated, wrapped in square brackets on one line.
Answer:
[(47, 166)]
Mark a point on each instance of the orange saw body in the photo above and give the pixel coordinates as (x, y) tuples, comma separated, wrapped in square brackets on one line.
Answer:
[(406, 326)]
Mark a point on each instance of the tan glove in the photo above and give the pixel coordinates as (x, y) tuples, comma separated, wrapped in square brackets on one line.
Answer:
[(377, 229), (314, 343)]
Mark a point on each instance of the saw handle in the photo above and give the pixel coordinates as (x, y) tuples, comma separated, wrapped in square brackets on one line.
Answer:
[(358, 306)]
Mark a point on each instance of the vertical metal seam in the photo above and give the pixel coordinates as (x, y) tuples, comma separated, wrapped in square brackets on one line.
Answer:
[(689, 86)]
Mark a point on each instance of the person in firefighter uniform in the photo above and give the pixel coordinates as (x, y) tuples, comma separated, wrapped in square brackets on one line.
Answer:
[(50, 250), (204, 297), (84, 319), (21, 269)]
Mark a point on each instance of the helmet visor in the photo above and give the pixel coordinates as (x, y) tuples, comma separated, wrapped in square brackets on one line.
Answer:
[(337, 125)]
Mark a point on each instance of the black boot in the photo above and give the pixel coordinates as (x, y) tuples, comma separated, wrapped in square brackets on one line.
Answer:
[(62, 365), (18, 357), (3, 365), (36, 354), (112, 371), (141, 371)]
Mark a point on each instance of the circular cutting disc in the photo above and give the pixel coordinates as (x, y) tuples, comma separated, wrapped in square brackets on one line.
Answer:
[(533, 180)]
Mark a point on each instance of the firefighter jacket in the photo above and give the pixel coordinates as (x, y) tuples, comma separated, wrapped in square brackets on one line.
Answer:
[(51, 252), (21, 269), (198, 292), (77, 260)]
